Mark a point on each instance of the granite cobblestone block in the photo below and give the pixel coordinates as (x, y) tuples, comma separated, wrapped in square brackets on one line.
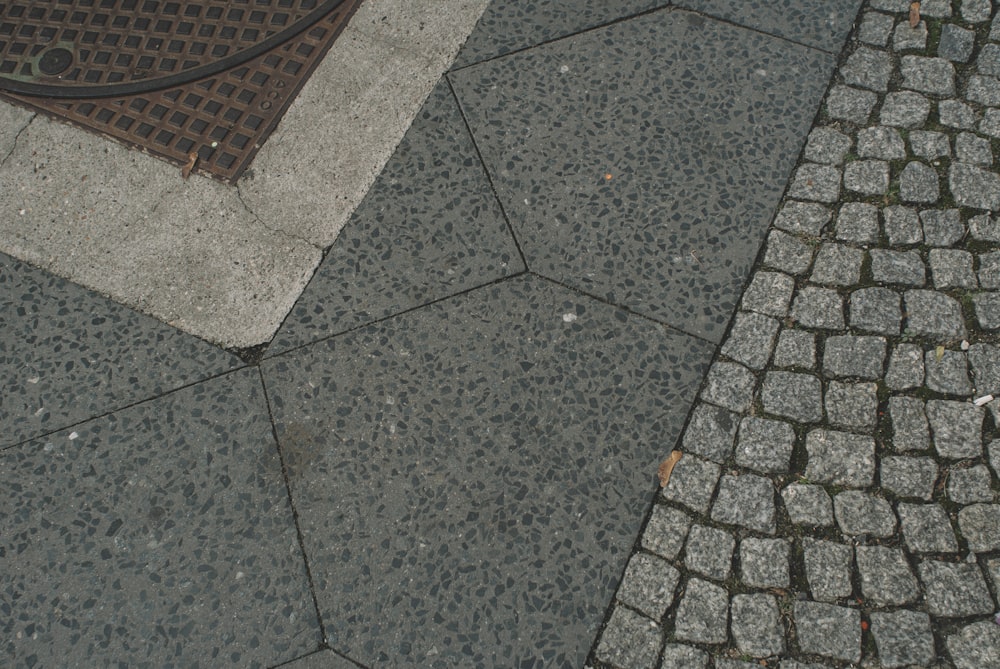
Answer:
[(793, 395), (926, 528), (820, 308), (808, 504), (827, 630)]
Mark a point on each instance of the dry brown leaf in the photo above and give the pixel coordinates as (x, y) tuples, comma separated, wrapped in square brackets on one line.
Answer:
[(667, 467), (914, 14), (939, 352), (192, 161)]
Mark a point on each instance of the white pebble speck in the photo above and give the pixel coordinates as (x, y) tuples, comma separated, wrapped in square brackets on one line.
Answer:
[(569, 317)]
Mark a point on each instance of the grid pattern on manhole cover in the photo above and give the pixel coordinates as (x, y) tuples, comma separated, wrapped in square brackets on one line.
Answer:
[(223, 117)]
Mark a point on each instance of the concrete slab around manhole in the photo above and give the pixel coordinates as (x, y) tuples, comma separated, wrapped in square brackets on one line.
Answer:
[(227, 263)]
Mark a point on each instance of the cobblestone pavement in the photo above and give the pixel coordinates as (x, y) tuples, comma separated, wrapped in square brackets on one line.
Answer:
[(836, 502)]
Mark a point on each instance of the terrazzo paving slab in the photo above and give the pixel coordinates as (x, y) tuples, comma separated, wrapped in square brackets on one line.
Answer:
[(642, 162), (466, 475), (511, 25), (67, 354), (817, 23), (430, 227), (160, 535)]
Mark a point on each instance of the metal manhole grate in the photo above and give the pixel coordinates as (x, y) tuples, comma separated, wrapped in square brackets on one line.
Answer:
[(171, 78)]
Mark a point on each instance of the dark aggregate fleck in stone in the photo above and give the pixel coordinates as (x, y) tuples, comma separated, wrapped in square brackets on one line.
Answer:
[(561, 416), (67, 354), (682, 260), (124, 539)]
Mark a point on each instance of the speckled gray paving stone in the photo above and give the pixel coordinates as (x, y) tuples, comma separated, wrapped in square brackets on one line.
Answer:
[(850, 104), (679, 656), (817, 307), (745, 500), (956, 43), (976, 11), (711, 432), (875, 28), (947, 372), (581, 229), (764, 562), (903, 638), (629, 640), (796, 348), (993, 451), (904, 109), (881, 142), (851, 405), (828, 568), (942, 227), (787, 253), (918, 183), (367, 424), (989, 270), (906, 38), (811, 22), (867, 68), (764, 445), (906, 367), (975, 646), (815, 183), (984, 90), (956, 114), (808, 504), (756, 625), (988, 60), (709, 552), (769, 293), (980, 526), (954, 590), (886, 577), (898, 267), (973, 186), (831, 631), (928, 75), (990, 125), (967, 485), (933, 315), (857, 222), (868, 177), (863, 514), (803, 217), (910, 429), (957, 428), (692, 483), (984, 363), (840, 458), (127, 538), (67, 355), (666, 531), (508, 25), (826, 145), (987, 308), (973, 149), (928, 144), (751, 339), (902, 226), (875, 310), (729, 385), (854, 356), (926, 528), (428, 228), (793, 395), (648, 585), (985, 227), (906, 476), (837, 265), (703, 613)]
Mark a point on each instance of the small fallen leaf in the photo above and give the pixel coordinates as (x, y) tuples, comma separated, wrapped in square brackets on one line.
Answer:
[(914, 14), (189, 165), (667, 467), (939, 352), (864, 624)]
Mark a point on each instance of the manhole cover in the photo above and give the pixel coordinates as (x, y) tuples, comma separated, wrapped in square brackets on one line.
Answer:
[(210, 78)]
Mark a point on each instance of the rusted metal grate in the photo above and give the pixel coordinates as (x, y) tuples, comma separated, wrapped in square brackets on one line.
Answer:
[(211, 78)]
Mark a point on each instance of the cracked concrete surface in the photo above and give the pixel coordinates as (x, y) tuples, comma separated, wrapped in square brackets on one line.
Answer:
[(227, 263)]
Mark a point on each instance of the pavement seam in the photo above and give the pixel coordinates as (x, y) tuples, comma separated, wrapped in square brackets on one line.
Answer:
[(279, 231)]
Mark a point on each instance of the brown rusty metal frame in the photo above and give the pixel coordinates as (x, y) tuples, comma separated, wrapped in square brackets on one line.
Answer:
[(168, 80)]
